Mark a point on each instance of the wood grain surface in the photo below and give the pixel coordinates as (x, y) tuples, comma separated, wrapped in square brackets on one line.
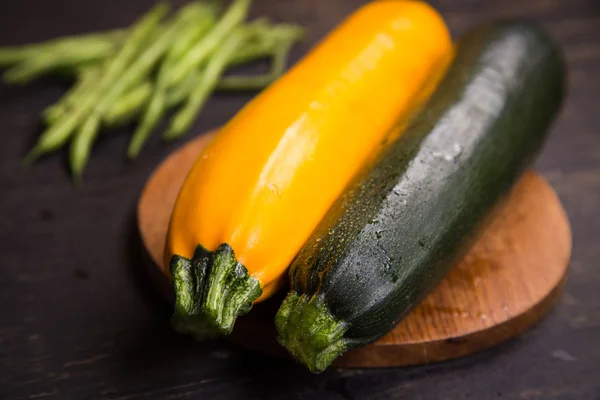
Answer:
[(505, 284), (81, 320)]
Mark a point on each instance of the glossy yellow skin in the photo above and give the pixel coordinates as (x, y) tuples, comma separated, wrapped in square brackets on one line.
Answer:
[(268, 177)]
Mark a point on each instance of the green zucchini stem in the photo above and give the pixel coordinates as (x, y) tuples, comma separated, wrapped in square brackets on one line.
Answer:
[(309, 331), (211, 291)]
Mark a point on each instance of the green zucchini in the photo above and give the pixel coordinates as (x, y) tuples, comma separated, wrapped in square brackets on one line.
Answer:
[(407, 218)]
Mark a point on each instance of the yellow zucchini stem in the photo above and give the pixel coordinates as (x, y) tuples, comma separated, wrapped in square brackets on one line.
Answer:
[(211, 290)]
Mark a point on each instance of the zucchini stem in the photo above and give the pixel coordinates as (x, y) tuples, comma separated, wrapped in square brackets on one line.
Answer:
[(211, 291), (309, 331)]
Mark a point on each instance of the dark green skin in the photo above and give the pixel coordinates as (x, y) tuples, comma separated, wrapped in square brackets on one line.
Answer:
[(405, 220)]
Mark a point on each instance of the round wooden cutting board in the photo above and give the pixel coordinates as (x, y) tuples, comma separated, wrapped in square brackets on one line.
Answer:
[(508, 281)]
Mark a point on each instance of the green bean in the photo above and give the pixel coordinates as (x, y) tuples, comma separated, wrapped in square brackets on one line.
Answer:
[(152, 117), (86, 77), (137, 98), (288, 32), (265, 46), (48, 62), (118, 69), (203, 19), (16, 54), (252, 52), (199, 53), (268, 36), (179, 93), (60, 132), (188, 33), (137, 71), (128, 105), (209, 79), (81, 146), (276, 43), (238, 83), (53, 112), (278, 47), (131, 103), (227, 84), (257, 47), (114, 73), (140, 68), (208, 82)]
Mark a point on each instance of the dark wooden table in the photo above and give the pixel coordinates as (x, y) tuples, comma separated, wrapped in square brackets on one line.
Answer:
[(80, 319)]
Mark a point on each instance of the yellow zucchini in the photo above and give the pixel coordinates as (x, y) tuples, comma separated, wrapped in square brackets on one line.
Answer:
[(268, 177)]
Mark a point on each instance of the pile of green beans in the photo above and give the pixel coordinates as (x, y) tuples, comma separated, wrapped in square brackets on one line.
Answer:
[(137, 74)]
